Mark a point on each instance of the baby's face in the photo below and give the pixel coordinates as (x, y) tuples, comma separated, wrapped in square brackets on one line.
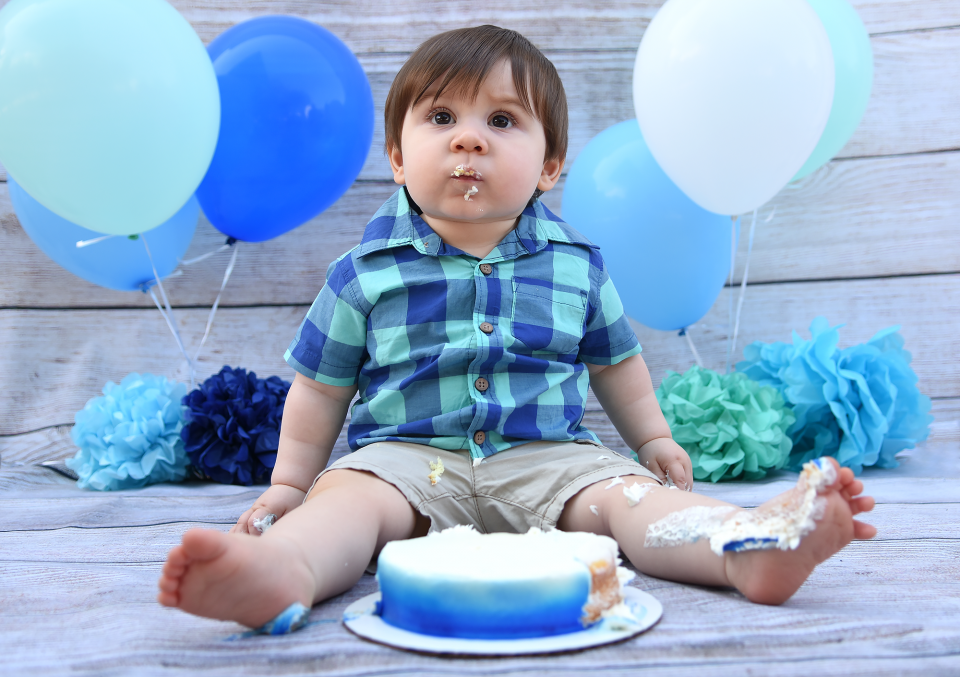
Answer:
[(473, 160)]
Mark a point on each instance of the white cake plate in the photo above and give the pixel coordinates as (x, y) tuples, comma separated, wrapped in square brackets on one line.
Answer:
[(361, 619)]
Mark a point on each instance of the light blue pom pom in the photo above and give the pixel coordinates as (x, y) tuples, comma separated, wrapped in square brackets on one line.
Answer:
[(130, 437), (860, 404)]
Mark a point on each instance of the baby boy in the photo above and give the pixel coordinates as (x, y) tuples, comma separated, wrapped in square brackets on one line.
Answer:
[(471, 320)]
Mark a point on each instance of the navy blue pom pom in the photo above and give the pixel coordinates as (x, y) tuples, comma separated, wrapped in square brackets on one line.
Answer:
[(233, 427)]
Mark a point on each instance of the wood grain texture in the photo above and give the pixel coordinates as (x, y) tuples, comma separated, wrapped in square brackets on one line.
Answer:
[(53, 361), (564, 25), (850, 612), (910, 110), (876, 217)]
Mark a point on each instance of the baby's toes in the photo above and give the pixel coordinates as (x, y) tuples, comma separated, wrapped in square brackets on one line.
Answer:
[(863, 531), (861, 504)]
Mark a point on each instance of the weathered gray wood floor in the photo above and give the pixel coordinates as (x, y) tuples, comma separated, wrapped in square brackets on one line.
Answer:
[(80, 569)]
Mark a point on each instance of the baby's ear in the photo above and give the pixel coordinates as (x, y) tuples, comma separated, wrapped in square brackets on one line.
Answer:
[(550, 174), (396, 164)]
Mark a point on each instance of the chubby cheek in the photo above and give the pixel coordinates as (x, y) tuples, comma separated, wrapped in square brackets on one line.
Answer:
[(517, 182)]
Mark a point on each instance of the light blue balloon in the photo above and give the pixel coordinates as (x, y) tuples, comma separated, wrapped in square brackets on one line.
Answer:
[(853, 64), (109, 109), (117, 262), (667, 256)]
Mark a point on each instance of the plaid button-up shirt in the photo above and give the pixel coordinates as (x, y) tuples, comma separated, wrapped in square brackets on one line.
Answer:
[(417, 324)]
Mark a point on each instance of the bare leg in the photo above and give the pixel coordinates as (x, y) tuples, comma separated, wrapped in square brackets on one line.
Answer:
[(318, 550), (764, 576)]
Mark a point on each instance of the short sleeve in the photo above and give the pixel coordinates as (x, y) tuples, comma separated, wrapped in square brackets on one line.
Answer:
[(331, 342), (608, 338)]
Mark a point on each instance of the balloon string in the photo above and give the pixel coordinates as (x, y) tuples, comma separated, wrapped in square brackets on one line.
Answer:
[(693, 349), (222, 248), (169, 314), (87, 243), (743, 283), (173, 330), (216, 303), (733, 259)]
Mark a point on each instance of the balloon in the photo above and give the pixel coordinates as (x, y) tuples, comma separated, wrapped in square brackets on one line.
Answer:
[(733, 95), (109, 109), (296, 127), (853, 71), (668, 257), (117, 262)]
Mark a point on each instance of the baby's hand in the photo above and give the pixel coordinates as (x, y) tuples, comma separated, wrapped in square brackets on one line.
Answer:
[(667, 460), (279, 499)]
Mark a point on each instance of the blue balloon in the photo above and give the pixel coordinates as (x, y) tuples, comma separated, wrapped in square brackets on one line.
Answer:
[(296, 126), (117, 262), (668, 256)]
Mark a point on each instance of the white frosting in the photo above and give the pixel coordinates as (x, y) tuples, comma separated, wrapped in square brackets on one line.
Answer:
[(614, 482), (473, 191), (463, 552), (595, 510), (262, 525), (775, 525), (636, 492)]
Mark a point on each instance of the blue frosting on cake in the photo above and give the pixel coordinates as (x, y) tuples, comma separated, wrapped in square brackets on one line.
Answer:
[(496, 586), (456, 607)]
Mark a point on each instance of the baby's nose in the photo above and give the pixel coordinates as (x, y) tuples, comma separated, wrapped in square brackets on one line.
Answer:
[(469, 140)]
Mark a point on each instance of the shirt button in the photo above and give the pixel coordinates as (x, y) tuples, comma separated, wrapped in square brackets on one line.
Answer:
[(479, 437), (481, 384), (486, 268), (486, 327)]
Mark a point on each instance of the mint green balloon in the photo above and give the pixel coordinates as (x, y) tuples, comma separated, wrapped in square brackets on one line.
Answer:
[(109, 109), (853, 63)]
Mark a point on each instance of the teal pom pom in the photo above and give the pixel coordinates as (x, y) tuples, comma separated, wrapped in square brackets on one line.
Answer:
[(860, 405), (730, 426), (130, 437)]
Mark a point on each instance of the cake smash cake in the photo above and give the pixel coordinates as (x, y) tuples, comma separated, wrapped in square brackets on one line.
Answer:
[(460, 583)]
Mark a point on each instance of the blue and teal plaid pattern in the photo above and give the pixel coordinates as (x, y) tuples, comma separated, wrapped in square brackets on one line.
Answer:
[(401, 315)]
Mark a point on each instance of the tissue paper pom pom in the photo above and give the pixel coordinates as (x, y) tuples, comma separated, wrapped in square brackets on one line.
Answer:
[(130, 437), (730, 425), (860, 404), (233, 426)]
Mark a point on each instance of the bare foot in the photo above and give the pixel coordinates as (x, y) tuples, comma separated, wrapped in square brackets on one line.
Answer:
[(235, 577), (772, 576)]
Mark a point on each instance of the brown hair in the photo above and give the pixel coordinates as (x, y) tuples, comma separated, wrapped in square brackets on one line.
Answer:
[(461, 59)]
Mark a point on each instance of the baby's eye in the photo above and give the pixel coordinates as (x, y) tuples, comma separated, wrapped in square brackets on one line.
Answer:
[(501, 121), (441, 117)]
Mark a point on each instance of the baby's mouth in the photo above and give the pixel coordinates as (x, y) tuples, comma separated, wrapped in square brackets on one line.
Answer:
[(466, 172)]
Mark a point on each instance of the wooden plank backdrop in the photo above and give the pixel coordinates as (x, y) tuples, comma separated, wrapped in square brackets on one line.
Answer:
[(869, 240)]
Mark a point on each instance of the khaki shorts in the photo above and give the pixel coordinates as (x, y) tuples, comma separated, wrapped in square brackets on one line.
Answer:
[(526, 486)]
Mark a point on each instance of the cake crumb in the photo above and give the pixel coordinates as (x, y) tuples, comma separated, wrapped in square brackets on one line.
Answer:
[(478, 461), (595, 510), (473, 191), (614, 482), (436, 469), (464, 170)]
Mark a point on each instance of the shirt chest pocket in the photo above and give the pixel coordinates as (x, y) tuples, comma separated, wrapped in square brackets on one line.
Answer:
[(547, 316)]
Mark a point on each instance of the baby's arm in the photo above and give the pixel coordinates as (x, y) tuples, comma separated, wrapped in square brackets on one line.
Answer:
[(313, 415), (626, 394)]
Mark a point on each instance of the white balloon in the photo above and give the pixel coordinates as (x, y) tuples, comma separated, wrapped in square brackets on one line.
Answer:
[(733, 95)]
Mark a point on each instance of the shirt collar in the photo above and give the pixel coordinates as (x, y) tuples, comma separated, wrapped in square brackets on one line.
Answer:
[(398, 224)]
